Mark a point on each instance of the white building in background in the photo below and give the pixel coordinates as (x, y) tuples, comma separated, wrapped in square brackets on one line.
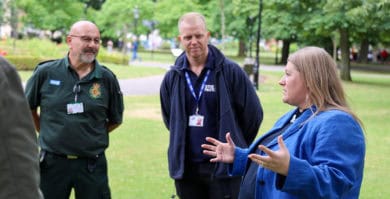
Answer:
[(5, 28)]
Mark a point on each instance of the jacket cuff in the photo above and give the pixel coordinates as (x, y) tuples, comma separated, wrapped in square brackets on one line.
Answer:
[(240, 161)]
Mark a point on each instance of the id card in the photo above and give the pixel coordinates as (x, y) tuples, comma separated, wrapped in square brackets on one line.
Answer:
[(196, 120), (75, 108)]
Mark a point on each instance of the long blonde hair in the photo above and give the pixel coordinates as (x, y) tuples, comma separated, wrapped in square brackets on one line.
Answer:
[(319, 72)]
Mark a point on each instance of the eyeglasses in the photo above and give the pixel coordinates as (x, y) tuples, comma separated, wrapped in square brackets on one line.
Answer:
[(87, 39)]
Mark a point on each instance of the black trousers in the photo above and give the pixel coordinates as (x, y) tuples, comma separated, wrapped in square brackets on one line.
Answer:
[(198, 183), (87, 176), (205, 187)]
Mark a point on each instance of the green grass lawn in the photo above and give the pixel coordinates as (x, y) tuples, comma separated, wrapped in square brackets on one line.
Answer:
[(137, 153), (370, 97)]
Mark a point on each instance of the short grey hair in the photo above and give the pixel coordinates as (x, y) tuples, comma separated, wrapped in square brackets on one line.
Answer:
[(192, 18)]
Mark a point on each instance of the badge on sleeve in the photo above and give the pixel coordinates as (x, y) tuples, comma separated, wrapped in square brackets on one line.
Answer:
[(55, 82)]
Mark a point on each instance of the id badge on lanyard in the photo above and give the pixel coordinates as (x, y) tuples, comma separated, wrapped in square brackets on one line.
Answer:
[(196, 120), (76, 107)]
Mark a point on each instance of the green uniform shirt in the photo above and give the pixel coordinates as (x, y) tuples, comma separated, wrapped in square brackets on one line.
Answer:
[(54, 87)]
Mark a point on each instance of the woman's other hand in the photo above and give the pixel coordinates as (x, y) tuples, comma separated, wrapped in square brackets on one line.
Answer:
[(222, 152)]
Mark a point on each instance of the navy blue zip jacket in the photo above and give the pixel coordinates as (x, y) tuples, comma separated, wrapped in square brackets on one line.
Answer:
[(239, 109)]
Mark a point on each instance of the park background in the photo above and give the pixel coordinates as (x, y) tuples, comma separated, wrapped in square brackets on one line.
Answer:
[(354, 32)]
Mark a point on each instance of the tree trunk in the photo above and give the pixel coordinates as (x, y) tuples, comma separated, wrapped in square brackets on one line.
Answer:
[(328, 45), (222, 9), (363, 50), (285, 51), (334, 49), (277, 52), (241, 47), (345, 67), (14, 19)]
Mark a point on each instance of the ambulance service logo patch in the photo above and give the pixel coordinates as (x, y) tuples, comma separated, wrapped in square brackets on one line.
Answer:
[(95, 91)]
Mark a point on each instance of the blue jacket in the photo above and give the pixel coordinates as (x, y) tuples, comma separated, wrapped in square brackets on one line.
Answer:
[(326, 158), (239, 109)]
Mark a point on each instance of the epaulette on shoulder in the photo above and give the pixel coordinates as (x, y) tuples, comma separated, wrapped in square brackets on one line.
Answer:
[(108, 69), (44, 62), (47, 61)]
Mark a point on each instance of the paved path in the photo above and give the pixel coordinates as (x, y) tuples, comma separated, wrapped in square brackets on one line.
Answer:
[(144, 85), (141, 86), (151, 85)]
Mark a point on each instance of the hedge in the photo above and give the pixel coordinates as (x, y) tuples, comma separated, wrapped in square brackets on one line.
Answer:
[(30, 62), (24, 62), (112, 58)]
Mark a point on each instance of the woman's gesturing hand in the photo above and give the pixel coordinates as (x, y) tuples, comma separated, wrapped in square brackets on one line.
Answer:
[(222, 152), (277, 161)]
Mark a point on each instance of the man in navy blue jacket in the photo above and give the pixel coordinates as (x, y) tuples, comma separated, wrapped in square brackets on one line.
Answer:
[(205, 95)]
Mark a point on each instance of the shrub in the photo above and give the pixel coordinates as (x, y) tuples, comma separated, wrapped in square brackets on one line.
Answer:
[(113, 58), (24, 62)]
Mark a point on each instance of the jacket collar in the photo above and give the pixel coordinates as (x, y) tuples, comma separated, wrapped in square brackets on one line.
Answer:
[(295, 126)]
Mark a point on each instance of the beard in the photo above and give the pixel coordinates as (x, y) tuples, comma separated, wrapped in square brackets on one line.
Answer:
[(88, 55)]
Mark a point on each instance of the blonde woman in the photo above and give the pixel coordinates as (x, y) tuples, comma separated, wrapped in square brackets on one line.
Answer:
[(314, 151)]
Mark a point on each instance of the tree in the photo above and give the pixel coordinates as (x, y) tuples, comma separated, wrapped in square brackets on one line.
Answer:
[(95, 4), (334, 19), (223, 17), (168, 15), (56, 15), (243, 22), (13, 19), (371, 19), (51, 15), (117, 19), (2, 11), (284, 20), (337, 15)]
